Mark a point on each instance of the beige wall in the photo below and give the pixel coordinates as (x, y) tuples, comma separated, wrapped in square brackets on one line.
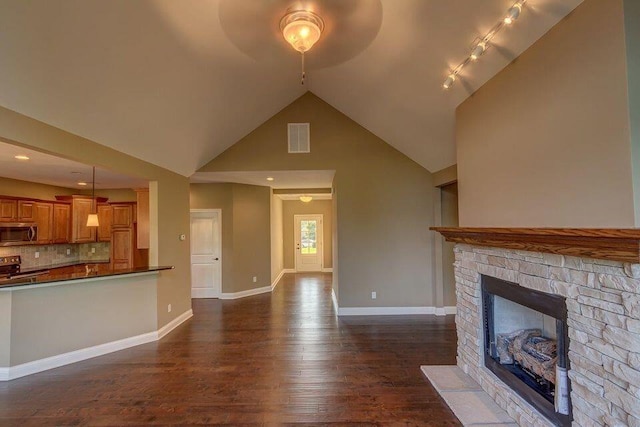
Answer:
[(277, 244), (96, 312), (445, 176), (632, 32), (246, 231), (17, 188), (296, 207), (545, 143), (170, 200), (449, 218), (384, 203), (5, 328)]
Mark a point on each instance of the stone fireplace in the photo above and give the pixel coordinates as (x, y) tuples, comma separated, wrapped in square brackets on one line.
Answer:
[(526, 345), (601, 296)]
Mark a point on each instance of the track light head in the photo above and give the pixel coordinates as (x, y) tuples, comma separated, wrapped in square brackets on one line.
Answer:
[(513, 13), (447, 83), (478, 51)]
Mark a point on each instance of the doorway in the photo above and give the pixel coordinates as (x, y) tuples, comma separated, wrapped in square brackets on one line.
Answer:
[(206, 253), (308, 242)]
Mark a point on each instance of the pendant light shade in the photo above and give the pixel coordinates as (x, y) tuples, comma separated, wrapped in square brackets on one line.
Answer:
[(92, 219)]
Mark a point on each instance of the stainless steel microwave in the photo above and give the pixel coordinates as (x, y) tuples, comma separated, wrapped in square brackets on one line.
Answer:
[(18, 233)]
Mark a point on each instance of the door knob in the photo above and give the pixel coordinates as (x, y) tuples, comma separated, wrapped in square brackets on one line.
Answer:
[(216, 259)]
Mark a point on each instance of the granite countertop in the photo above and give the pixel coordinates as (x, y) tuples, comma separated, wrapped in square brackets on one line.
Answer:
[(52, 276), (38, 268)]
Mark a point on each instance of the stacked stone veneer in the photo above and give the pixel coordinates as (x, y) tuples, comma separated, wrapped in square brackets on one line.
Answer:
[(603, 303)]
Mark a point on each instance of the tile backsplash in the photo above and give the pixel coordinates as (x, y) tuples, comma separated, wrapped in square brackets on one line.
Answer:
[(57, 254)]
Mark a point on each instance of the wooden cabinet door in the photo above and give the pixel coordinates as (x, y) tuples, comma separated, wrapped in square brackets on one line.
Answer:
[(122, 248), (8, 210), (80, 232), (105, 214), (61, 223), (43, 216), (122, 216), (26, 211)]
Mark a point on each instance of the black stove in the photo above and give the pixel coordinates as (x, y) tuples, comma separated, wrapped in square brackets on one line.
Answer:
[(9, 266)]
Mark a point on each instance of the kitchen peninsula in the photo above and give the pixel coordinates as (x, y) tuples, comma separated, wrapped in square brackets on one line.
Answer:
[(53, 319)]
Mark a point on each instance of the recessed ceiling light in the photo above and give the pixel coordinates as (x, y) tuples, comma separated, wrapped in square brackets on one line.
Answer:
[(270, 178), (21, 157), (82, 183)]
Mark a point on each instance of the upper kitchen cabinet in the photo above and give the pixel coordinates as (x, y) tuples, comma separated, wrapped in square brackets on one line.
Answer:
[(105, 217), (81, 207), (61, 223), (8, 210), (26, 211), (42, 214), (123, 214)]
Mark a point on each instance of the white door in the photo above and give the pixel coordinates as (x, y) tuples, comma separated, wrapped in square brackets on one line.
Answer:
[(308, 242), (206, 253)]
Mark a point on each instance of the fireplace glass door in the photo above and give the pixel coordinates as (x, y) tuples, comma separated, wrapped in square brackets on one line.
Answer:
[(526, 344)]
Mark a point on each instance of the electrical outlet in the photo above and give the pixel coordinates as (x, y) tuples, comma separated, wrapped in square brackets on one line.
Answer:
[(374, 295), (255, 279), (169, 308), (93, 250), (68, 251), (37, 254)]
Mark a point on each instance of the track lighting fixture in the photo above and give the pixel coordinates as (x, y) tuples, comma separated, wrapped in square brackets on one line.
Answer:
[(483, 44), (478, 50), (513, 13)]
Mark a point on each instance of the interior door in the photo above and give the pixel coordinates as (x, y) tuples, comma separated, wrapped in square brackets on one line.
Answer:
[(206, 253), (308, 242)]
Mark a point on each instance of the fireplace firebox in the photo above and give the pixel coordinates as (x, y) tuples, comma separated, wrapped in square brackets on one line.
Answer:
[(526, 345)]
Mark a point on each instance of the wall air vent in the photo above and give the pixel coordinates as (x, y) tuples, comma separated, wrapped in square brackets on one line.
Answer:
[(299, 138)]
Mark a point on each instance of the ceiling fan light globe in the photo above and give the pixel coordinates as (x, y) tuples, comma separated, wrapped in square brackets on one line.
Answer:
[(302, 29)]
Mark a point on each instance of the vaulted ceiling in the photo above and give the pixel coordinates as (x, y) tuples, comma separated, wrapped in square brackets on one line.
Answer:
[(177, 82)]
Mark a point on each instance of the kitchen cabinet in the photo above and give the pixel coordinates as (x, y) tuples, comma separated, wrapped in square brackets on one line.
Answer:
[(105, 216), (81, 207), (142, 218), (8, 210), (26, 211), (122, 215), (61, 232), (43, 217), (122, 244)]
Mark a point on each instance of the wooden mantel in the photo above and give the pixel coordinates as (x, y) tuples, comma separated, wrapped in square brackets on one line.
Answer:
[(615, 244)]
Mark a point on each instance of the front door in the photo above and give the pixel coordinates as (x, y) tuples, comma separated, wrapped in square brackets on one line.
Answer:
[(206, 253), (308, 242)]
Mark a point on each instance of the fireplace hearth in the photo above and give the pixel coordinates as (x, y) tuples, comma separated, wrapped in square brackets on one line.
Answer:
[(526, 345)]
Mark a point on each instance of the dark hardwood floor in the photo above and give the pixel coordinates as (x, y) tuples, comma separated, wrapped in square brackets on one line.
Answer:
[(270, 359)]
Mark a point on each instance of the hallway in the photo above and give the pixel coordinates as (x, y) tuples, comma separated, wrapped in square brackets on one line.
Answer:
[(267, 359)]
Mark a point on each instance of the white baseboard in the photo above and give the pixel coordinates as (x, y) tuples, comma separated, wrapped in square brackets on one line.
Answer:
[(289, 270), (443, 311), (276, 280), (247, 293), (390, 311), (162, 332), (13, 372), (327, 270), (204, 293)]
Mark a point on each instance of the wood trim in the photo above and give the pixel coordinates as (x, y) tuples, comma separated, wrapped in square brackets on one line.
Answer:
[(614, 244)]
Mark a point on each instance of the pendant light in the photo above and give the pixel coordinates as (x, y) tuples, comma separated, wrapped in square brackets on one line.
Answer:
[(301, 29), (92, 219)]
